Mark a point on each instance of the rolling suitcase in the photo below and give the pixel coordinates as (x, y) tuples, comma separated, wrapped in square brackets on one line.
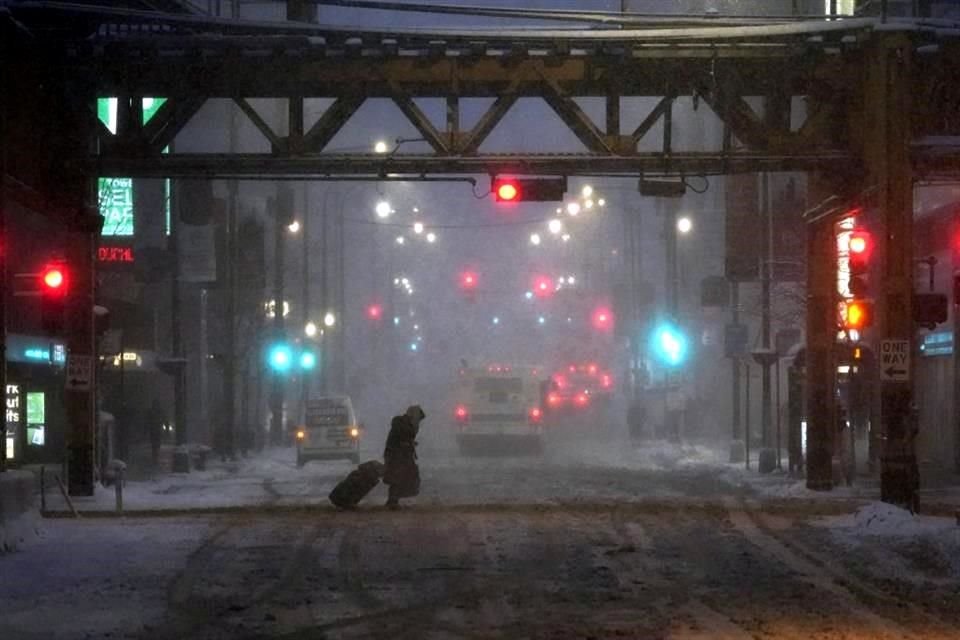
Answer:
[(358, 483)]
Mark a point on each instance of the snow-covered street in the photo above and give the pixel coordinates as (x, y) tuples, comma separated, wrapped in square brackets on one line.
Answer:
[(649, 542)]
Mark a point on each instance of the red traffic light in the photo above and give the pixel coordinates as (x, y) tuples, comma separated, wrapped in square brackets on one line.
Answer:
[(602, 319), (468, 280), (860, 247), (543, 286), (54, 279), (506, 190)]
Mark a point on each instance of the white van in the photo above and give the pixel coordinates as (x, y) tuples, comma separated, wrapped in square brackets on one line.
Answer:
[(330, 431), (498, 407)]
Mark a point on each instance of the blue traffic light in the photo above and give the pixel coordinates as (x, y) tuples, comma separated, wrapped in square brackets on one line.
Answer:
[(280, 357), (669, 344), (308, 360)]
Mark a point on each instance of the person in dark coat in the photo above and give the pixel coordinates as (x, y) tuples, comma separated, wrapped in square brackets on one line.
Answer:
[(401, 473)]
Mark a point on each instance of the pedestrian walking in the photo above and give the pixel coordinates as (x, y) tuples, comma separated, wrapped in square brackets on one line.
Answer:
[(401, 473)]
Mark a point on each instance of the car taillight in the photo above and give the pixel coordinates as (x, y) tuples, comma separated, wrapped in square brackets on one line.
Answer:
[(582, 399), (606, 382), (553, 399), (461, 414), (535, 415)]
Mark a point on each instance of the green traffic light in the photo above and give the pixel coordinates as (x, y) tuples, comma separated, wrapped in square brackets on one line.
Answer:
[(308, 360), (669, 344), (280, 357)]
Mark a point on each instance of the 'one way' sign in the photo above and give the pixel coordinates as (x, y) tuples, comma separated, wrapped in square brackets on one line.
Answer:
[(895, 360)]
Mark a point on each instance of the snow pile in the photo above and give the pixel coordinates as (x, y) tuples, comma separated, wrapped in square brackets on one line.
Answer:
[(887, 520), (18, 531)]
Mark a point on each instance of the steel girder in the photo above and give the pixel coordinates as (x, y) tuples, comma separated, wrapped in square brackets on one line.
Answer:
[(778, 68)]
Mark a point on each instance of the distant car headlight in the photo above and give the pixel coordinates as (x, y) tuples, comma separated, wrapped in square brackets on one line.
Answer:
[(354, 432)]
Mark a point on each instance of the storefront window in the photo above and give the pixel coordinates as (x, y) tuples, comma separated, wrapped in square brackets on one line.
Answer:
[(36, 418), (12, 418)]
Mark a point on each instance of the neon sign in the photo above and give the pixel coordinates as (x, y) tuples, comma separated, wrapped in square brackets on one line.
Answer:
[(114, 255)]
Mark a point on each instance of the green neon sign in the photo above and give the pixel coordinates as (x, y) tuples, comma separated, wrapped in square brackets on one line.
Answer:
[(116, 193)]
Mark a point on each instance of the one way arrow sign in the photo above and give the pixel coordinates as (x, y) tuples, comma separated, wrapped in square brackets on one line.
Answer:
[(895, 360)]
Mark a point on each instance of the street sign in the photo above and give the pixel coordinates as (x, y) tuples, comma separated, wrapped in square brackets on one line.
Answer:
[(895, 360), (79, 372)]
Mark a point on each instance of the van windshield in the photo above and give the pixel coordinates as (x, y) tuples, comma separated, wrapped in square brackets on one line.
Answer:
[(498, 385)]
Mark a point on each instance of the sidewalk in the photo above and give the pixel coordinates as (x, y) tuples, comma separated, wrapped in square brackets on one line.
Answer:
[(266, 478)]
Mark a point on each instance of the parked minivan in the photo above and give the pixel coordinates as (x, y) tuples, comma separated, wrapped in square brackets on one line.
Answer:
[(330, 431)]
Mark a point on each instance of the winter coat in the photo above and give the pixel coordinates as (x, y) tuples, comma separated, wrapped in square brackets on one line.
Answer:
[(400, 458)]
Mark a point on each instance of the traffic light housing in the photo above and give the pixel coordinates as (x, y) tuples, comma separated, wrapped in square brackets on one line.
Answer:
[(509, 190), (54, 286)]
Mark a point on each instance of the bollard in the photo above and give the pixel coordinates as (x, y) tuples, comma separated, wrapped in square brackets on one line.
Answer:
[(118, 481)]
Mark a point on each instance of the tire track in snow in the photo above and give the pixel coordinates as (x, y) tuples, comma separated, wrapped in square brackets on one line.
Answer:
[(936, 626), (877, 626), (707, 623)]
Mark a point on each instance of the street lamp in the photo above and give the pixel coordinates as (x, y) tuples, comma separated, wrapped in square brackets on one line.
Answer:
[(431, 237), (380, 147), (573, 208), (535, 239), (400, 240), (329, 319), (294, 226), (684, 225), (418, 228), (555, 226), (383, 209), (311, 329), (565, 237), (587, 191)]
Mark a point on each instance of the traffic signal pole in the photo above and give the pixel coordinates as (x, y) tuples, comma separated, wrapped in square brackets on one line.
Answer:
[(821, 343), (277, 388)]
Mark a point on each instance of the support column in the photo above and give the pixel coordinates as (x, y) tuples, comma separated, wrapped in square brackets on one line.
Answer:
[(887, 100)]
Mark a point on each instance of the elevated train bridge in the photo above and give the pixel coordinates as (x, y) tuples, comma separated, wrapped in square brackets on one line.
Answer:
[(865, 108)]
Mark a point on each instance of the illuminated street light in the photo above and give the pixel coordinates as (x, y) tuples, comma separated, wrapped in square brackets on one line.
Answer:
[(310, 329), (571, 280), (329, 319), (588, 204), (380, 147), (587, 191), (555, 226), (383, 209), (418, 228), (573, 208), (400, 240), (684, 225), (535, 239), (528, 295), (602, 202), (565, 237), (294, 226), (496, 319), (405, 282), (431, 237)]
